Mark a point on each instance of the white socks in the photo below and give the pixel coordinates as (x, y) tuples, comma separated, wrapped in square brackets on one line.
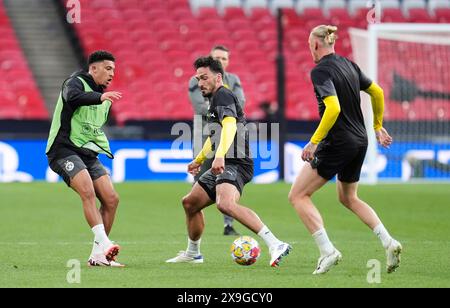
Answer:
[(101, 240), (323, 242), (326, 247), (268, 237), (193, 248), (384, 236)]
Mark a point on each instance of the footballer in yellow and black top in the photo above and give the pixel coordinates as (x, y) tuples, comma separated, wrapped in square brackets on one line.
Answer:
[(341, 135)]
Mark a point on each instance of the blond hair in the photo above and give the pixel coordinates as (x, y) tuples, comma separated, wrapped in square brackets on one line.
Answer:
[(326, 34)]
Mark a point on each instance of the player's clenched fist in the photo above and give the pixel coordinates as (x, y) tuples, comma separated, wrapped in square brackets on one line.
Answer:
[(194, 168)]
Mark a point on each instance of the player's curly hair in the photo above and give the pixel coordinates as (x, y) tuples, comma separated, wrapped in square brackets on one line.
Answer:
[(100, 55), (326, 34), (214, 65)]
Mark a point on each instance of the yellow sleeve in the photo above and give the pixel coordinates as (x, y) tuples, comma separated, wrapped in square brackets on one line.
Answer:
[(229, 129), (332, 110), (207, 148), (377, 97)]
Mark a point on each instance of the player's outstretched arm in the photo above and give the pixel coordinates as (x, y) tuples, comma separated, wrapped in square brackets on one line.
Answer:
[(75, 96), (111, 96)]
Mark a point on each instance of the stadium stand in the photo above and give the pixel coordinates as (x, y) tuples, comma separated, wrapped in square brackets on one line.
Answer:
[(19, 96), (156, 41)]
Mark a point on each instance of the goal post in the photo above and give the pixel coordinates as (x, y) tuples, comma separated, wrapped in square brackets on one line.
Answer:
[(411, 62)]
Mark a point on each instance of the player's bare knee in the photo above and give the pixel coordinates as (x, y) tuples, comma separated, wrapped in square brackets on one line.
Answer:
[(347, 201), (226, 207), (188, 204), (292, 198), (296, 198), (113, 200), (87, 194), (185, 202)]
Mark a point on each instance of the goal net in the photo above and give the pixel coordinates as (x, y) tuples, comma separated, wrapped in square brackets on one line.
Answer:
[(411, 62)]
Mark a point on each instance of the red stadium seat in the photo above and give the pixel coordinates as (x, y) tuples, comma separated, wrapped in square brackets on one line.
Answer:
[(178, 4), (291, 18), (311, 13), (167, 34), (392, 15), (269, 45), (180, 13), (198, 44), (170, 45), (231, 13), (340, 17), (258, 13), (156, 14), (19, 96), (177, 55), (138, 4), (157, 41), (253, 55), (442, 15), (247, 45), (187, 25), (10, 113), (207, 13), (267, 34), (102, 4), (212, 24), (239, 24), (264, 24), (132, 14), (192, 35), (419, 15), (217, 34), (152, 4), (244, 35), (162, 24)]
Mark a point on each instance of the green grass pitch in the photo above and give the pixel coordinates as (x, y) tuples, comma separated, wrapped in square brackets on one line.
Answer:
[(42, 227)]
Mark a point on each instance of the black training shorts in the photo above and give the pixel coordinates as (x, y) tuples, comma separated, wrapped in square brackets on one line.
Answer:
[(69, 166), (345, 162), (235, 174)]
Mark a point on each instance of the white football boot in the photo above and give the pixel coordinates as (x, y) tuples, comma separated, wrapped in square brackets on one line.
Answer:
[(100, 260), (104, 254), (183, 257), (278, 253), (111, 251), (393, 256), (324, 264)]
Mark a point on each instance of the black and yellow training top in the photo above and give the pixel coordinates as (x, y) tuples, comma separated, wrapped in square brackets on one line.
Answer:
[(337, 82)]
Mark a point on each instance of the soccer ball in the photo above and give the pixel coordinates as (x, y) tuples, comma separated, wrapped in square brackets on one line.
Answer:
[(245, 250)]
